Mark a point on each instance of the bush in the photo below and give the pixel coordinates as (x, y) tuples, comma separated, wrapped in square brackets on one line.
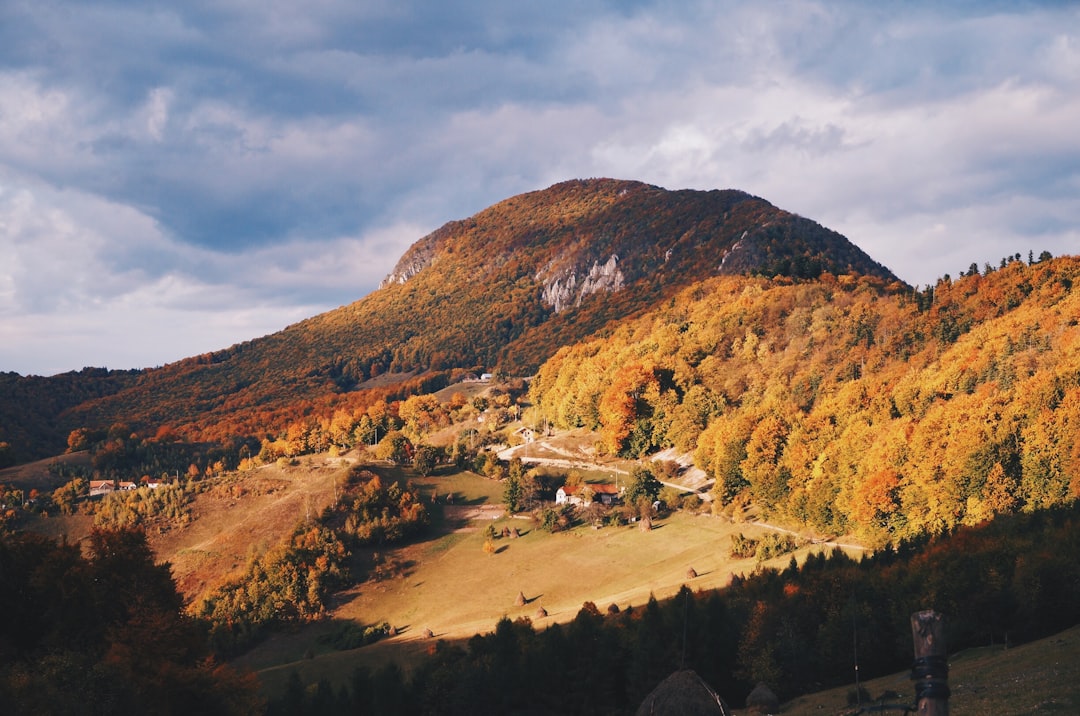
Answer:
[(353, 636), (775, 544), (555, 519), (742, 547)]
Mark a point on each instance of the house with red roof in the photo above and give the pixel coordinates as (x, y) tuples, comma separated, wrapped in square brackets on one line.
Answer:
[(101, 487), (583, 495)]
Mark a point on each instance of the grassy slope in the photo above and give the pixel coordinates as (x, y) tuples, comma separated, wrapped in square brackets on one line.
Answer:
[(243, 515), (448, 583), (452, 587), (1039, 677)]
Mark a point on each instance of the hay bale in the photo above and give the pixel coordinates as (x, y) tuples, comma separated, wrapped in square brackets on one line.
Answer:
[(541, 613), (683, 694), (521, 600), (762, 700), (691, 573), (428, 634)]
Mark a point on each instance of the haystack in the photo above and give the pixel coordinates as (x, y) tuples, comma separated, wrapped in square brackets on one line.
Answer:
[(683, 694), (762, 700)]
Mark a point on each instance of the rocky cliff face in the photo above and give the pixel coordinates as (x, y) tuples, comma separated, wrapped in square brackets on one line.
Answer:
[(418, 257), (566, 290)]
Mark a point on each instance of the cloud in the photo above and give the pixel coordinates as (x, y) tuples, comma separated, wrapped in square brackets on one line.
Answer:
[(90, 282), (235, 164)]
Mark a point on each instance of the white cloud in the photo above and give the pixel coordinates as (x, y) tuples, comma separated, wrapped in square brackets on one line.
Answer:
[(233, 165), (88, 282), (156, 112)]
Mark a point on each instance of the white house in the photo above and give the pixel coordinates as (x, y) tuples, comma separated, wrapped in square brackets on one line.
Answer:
[(101, 487), (576, 494)]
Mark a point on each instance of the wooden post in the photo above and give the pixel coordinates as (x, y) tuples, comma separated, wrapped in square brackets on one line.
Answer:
[(930, 671)]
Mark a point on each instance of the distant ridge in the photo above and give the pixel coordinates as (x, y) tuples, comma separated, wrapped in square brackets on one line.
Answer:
[(501, 290)]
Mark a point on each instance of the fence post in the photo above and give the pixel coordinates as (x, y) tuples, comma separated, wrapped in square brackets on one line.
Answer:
[(930, 672)]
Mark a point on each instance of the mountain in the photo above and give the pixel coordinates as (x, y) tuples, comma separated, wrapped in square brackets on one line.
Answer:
[(501, 290)]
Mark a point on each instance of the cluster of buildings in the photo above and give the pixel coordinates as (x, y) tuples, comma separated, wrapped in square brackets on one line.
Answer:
[(107, 487)]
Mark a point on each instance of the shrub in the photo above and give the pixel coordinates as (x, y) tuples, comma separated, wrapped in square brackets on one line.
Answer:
[(742, 547), (775, 544)]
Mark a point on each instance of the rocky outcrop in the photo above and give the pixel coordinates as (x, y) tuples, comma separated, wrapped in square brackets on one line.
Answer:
[(419, 256), (567, 291)]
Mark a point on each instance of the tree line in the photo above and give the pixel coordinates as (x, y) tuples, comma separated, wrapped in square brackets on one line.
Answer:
[(104, 632)]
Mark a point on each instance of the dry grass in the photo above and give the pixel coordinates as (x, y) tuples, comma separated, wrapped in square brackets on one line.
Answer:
[(233, 518), (1042, 677), (242, 515), (36, 475), (450, 586)]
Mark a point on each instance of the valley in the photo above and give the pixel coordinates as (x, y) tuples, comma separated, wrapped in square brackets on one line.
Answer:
[(443, 583), (405, 500)]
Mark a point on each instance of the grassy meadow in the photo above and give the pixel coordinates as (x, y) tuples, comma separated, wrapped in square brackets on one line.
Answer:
[(448, 585)]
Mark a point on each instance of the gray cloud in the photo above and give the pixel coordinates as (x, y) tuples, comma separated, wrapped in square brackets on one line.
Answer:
[(202, 174)]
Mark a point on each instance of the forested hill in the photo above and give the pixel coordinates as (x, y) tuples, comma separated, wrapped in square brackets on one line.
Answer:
[(845, 407), (502, 290)]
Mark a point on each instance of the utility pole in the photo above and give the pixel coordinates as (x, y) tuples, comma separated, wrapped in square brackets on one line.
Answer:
[(930, 672), (855, 649)]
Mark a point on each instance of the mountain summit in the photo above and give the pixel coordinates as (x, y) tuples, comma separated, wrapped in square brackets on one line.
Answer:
[(506, 287), (503, 289), (592, 235)]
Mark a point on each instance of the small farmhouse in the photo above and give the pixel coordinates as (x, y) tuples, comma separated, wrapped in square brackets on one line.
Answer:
[(128, 486), (582, 495), (101, 487)]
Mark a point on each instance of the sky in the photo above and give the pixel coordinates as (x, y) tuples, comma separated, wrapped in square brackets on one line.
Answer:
[(179, 177)]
